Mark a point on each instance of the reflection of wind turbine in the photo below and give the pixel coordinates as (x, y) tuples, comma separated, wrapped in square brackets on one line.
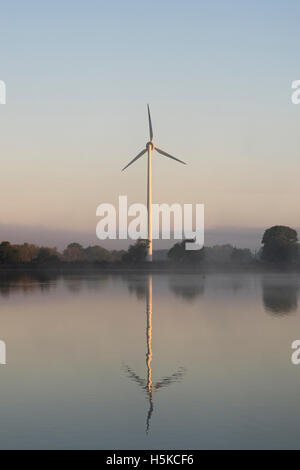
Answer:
[(148, 385), (149, 350), (150, 146)]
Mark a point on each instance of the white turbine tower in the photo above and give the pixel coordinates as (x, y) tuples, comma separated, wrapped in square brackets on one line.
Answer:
[(150, 146)]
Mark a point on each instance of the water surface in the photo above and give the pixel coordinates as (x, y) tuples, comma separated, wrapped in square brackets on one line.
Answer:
[(139, 361)]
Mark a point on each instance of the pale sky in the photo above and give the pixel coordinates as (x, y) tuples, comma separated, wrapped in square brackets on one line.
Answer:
[(218, 79)]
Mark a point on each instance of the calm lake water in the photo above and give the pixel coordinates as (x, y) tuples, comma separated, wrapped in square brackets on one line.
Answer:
[(137, 361)]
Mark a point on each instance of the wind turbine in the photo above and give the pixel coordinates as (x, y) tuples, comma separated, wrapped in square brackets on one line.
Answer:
[(149, 147)]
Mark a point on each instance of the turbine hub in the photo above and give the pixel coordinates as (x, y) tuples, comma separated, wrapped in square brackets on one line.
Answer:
[(151, 145)]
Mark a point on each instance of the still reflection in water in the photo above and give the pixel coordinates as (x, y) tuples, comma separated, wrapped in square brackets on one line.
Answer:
[(146, 384), (279, 292), (66, 336), (188, 289), (280, 297)]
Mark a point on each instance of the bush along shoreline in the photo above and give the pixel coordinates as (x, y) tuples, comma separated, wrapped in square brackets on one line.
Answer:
[(280, 251)]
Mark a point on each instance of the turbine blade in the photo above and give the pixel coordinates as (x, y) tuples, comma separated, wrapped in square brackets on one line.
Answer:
[(168, 155), (135, 158), (150, 123)]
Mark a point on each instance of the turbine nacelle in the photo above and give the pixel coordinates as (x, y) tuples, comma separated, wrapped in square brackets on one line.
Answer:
[(150, 145)]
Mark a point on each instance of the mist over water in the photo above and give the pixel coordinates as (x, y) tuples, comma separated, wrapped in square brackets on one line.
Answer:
[(149, 361)]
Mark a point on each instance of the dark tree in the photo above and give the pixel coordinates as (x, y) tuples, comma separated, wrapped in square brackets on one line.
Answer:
[(241, 256), (280, 245), (10, 253), (74, 252), (179, 254), (97, 254), (136, 253), (47, 255)]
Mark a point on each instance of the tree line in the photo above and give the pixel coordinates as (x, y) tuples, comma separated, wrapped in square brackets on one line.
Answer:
[(29, 253), (279, 247)]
